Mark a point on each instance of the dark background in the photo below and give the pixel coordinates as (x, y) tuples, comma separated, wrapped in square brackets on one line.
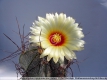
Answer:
[(92, 14)]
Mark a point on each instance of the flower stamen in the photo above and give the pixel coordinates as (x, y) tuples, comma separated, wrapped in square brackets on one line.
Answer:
[(56, 39)]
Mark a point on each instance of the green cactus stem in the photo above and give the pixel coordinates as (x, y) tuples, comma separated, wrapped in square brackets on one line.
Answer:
[(34, 66)]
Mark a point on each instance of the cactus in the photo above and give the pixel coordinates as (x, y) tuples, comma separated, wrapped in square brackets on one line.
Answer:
[(57, 31)]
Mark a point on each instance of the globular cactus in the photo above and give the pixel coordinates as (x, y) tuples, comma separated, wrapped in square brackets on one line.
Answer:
[(55, 38), (50, 52)]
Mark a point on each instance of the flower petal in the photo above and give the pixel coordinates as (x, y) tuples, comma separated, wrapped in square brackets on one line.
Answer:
[(34, 39), (45, 44), (61, 54), (51, 54), (68, 54), (56, 55), (74, 47), (35, 31), (46, 52)]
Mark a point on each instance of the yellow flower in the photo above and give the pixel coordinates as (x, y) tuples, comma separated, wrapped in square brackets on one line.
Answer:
[(58, 35)]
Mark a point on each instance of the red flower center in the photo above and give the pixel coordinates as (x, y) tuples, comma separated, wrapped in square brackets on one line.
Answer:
[(57, 39)]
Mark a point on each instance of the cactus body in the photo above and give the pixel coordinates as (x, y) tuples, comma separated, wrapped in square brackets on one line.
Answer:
[(34, 66)]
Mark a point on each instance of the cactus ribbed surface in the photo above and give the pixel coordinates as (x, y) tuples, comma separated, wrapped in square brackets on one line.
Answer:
[(34, 66)]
